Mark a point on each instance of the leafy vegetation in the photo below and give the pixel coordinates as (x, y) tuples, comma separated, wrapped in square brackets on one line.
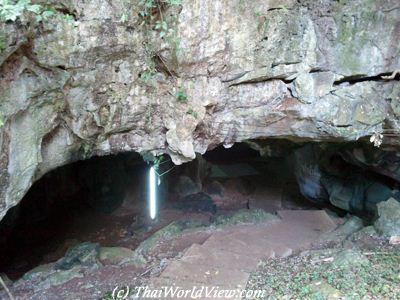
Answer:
[(149, 157), (321, 274), (1, 121), (192, 112), (152, 13), (11, 10), (45, 15), (181, 96), (155, 18), (124, 18), (2, 42)]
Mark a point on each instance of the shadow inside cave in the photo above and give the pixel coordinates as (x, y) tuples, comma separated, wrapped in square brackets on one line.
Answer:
[(104, 199)]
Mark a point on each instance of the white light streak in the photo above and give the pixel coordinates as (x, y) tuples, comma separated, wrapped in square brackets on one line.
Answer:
[(153, 193)]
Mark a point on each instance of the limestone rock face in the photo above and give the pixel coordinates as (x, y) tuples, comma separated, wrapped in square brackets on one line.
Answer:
[(72, 89), (388, 223)]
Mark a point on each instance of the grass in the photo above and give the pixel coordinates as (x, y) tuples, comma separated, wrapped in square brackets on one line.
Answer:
[(324, 274)]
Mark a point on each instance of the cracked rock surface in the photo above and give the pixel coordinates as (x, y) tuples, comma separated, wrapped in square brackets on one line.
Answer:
[(299, 70)]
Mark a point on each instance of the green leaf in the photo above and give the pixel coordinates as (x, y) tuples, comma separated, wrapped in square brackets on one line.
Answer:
[(35, 8), (192, 112), (69, 18), (181, 96), (175, 2), (124, 18), (47, 14), (11, 10)]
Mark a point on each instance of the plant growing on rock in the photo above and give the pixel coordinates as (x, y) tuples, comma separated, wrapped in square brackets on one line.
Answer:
[(154, 18), (149, 158), (181, 96), (11, 10), (3, 45), (192, 112)]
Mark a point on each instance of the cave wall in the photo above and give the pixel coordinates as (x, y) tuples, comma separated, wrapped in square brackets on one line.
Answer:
[(302, 70)]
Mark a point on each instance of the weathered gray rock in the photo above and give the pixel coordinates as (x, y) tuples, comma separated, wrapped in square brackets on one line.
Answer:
[(84, 254), (186, 186), (352, 225), (70, 90), (115, 255), (199, 202), (327, 173), (214, 188), (388, 223), (386, 163), (349, 258)]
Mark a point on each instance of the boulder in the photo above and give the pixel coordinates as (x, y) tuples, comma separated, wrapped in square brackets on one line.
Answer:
[(349, 227), (323, 175), (186, 186), (308, 173), (84, 254), (365, 239), (46, 276), (39, 272), (58, 277), (200, 202), (388, 223), (171, 230), (349, 258), (214, 188), (242, 185), (115, 255)]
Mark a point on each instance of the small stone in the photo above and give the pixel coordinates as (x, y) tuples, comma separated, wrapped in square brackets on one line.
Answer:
[(322, 288), (394, 240)]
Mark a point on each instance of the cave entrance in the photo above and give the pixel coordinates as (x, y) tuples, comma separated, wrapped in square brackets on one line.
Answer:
[(104, 200), (240, 177), (93, 200)]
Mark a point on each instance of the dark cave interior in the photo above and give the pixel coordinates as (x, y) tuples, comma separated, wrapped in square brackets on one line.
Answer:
[(104, 199)]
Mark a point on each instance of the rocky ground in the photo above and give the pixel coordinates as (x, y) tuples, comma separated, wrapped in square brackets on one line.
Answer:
[(333, 273), (351, 262)]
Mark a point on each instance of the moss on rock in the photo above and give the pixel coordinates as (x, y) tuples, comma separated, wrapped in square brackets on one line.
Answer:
[(244, 216)]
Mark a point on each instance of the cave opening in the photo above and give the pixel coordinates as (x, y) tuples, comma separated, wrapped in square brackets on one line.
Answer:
[(105, 199)]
